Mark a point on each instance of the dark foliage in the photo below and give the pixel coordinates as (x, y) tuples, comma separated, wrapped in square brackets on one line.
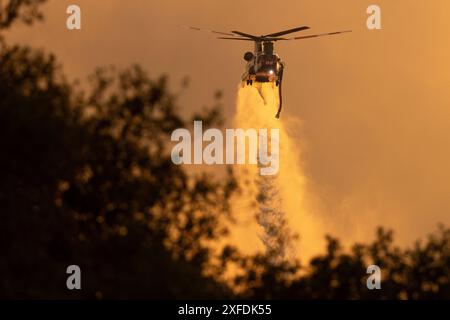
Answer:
[(86, 180)]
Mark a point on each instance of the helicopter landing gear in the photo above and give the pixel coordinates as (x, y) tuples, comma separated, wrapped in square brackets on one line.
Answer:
[(277, 83)]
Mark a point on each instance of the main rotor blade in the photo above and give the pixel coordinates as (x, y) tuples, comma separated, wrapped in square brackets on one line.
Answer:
[(207, 30), (246, 35), (236, 38), (274, 39), (276, 34), (320, 35), (259, 39)]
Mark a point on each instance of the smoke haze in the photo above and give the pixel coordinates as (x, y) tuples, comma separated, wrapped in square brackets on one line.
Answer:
[(375, 139)]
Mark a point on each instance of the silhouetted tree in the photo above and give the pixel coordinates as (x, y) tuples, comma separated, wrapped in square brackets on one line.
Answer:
[(418, 273), (86, 180), (24, 10)]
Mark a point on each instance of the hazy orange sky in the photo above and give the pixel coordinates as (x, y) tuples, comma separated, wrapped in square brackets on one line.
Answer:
[(375, 105)]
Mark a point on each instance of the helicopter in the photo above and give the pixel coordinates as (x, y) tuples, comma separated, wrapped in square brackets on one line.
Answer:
[(263, 64)]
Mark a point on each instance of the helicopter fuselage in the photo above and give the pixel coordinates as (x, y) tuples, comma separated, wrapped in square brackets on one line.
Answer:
[(263, 65)]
